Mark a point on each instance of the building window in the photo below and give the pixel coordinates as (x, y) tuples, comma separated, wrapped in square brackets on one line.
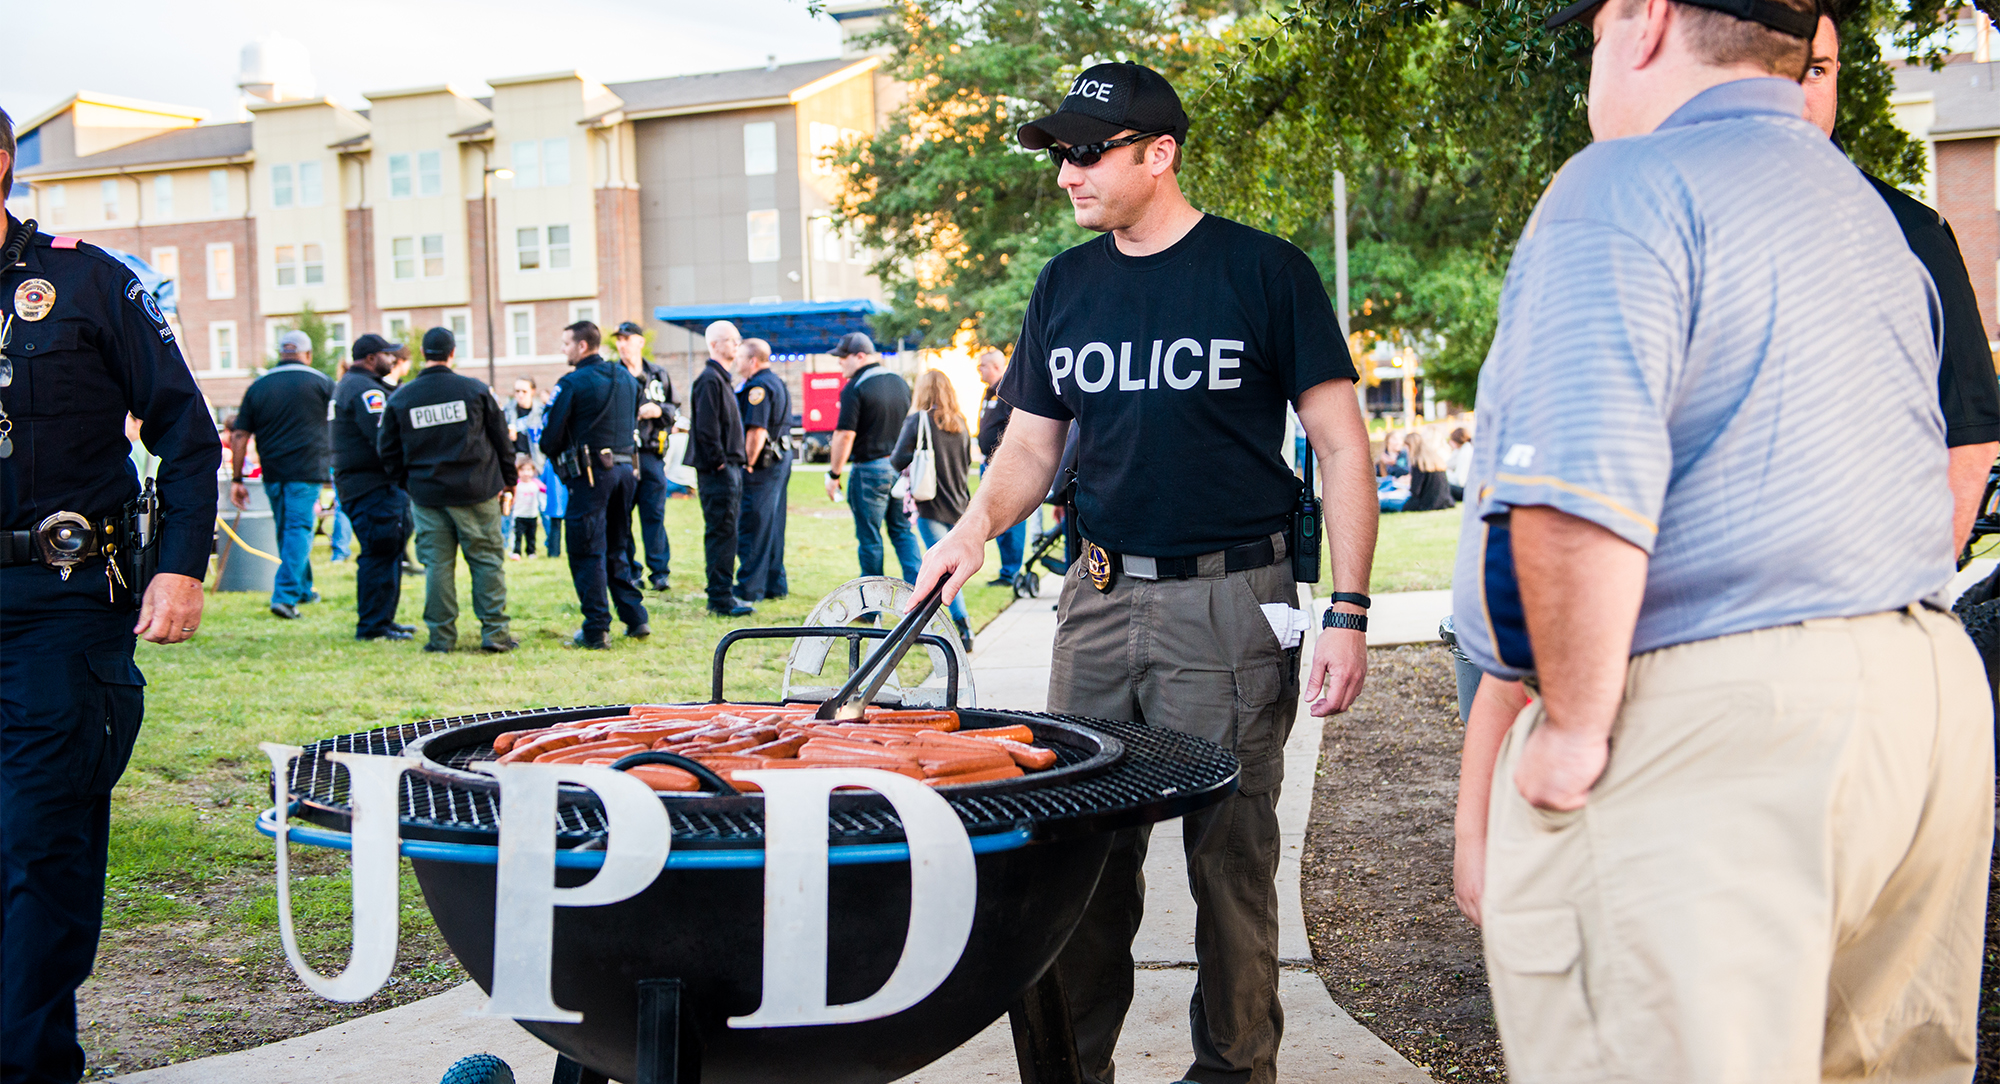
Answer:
[(520, 332), (430, 173), (221, 271), (555, 162), (58, 203), (403, 258), (558, 247), (399, 329), (167, 261), (527, 164), (336, 333), (764, 246), (399, 176), (582, 310), (218, 191), (287, 261), (433, 244), (459, 321), (825, 239), (824, 138), (222, 346), (312, 265), (281, 186), (760, 148), (528, 248), (163, 196), (310, 193), (108, 192)]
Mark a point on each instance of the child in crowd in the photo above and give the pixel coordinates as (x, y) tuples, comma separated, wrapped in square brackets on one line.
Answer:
[(527, 507)]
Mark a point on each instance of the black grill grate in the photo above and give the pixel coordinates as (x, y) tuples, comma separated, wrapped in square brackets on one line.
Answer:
[(1160, 768)]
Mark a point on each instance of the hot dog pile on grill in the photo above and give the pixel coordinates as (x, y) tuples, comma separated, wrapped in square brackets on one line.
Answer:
[(733, 738)]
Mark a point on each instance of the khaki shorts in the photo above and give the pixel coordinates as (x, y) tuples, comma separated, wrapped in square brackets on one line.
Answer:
[(1781, 876)]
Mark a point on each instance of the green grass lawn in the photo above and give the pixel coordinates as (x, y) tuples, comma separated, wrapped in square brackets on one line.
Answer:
[(1413, 551)]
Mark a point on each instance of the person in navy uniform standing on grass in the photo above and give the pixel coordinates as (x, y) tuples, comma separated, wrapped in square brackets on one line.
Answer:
[(378, 507), (766, 408), (593, 411), (81, 344)]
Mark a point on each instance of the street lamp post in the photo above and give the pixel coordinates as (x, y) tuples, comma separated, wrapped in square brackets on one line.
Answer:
[(492, 284)]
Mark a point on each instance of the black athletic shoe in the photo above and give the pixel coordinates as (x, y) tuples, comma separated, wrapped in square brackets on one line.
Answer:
[(438, 649), (1000, 581), (285, 610), (639, 631), (500, 647), (411, 629), (660, 584), (589, 643), (314, 597), (391, 633), (736, 607)]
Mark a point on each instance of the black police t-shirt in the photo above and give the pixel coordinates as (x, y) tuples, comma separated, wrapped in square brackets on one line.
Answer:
[(287, 411), (1177, 367)]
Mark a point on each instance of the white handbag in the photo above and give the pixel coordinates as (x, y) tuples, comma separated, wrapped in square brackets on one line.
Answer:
[(923, 464)]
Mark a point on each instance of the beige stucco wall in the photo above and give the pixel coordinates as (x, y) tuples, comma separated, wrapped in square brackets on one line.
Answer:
[(535, 111), (414, 124), (289, 134)]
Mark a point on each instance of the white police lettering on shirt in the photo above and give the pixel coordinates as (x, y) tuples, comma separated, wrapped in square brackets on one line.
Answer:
[(1223, 356), (423, 417)]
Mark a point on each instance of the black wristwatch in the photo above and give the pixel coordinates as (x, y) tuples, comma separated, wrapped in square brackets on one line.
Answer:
[(833, 474), (1337, 620)]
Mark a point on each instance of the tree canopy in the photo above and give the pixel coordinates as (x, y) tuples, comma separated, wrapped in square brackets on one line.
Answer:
[(1447, 118)]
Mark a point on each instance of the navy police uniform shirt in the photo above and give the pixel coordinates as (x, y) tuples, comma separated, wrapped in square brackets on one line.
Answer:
[(765, 403), (873, 404), (88, 344), (595, 405), (444, 437), (359, 402), (715, 426), (1176, 368), (286, 409)]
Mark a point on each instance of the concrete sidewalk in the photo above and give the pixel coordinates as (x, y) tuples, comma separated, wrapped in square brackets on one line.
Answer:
[(416, 1043)]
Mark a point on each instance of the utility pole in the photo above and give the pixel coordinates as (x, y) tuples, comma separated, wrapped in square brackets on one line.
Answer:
[(1340, 283)]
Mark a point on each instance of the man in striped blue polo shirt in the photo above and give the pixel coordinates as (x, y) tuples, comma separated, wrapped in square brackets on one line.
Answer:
[(1741, 834)]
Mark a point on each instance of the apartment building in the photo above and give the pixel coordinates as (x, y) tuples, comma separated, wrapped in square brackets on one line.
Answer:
[(552, 200)]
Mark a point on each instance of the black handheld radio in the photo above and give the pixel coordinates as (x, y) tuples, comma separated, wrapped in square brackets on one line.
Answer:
[(1307, 521)]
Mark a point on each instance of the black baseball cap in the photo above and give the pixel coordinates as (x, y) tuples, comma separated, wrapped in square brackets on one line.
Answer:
[(1105, 100), (372, 343), (854, 342), (439, 342), (628, 328), (1785, 20)]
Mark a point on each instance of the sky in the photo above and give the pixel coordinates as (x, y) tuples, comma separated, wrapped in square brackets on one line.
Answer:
[(186, 52)]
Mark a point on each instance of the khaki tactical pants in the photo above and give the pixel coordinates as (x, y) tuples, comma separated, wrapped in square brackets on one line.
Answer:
[(441, 533), (1197, 656), (1781, 876)]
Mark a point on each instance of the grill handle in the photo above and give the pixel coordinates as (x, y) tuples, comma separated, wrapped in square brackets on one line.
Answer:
[(854, 635), (851, 702), (695, 768)]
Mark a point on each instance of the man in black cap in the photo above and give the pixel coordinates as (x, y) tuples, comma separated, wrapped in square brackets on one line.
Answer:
[(715, 451), (378, 507), (1175, 341), (445, 438), (873, 404), (656, 427), (587, 431)]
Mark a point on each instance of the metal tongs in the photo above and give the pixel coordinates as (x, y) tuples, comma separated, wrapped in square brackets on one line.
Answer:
[(851, 702)]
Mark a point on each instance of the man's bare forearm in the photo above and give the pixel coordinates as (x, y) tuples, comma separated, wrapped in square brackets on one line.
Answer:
[(1970, 464), (753, 443), (1339, 437), (239, 445), (843, 442), (1581, 587)]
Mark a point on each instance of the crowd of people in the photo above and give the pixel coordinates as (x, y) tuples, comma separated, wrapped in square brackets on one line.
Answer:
[(430, 466), (1423, 469)]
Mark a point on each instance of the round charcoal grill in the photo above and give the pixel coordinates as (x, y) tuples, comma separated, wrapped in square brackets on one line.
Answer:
[(1039, 843)]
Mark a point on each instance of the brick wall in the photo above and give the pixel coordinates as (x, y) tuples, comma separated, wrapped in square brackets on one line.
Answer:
[(619, 267), (1965, 190), (364, 315)]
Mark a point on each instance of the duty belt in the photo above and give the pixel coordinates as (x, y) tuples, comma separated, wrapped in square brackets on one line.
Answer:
[(1241, 558), (62, 541)]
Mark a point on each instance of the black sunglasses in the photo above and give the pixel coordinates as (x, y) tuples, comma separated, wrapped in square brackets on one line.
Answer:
[(1086, 155)]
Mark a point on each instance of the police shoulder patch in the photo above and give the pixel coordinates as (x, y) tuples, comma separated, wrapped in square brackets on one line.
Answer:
[(756, 396), (374, 400)]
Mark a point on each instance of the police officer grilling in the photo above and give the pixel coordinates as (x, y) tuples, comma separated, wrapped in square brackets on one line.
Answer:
[(81, 344), (588, 430), (766, 408), (715, 451), (656, 426), (377, 506)]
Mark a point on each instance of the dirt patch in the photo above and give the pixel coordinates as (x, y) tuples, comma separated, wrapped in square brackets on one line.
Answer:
[(216, 980), (1387, 939)]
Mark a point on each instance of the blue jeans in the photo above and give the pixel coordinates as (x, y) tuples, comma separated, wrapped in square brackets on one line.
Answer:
[(342, 536), (292, 510), (868, 496), (1013, 542), (932, 531)]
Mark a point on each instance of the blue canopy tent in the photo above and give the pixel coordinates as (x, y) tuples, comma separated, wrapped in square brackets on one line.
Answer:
[(793, 328)]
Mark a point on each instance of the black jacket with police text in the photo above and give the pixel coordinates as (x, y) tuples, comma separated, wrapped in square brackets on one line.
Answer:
[(444, 439), (87, 344), (595, 405)]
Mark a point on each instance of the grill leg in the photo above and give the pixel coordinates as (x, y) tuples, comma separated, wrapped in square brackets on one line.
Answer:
[(669, 1050), (569, 1072), (1044, 1043)]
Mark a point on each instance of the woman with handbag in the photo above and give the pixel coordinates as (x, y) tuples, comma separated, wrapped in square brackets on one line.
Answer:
[(935, 454)]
